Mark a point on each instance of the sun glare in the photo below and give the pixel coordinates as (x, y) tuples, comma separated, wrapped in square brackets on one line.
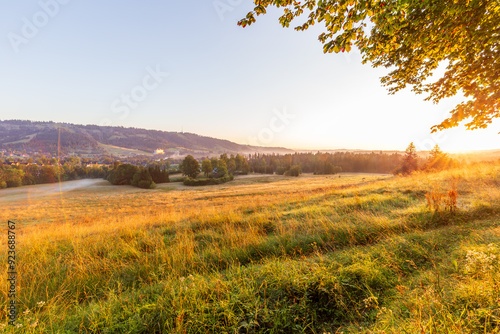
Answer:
[(461, 140)]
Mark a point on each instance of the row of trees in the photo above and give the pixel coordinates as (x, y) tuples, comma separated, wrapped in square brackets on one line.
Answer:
[(215, 170), (437, 160), (318, 163), (222, 169), (142, 177), (215, 167), (325, 163), (30, 174)]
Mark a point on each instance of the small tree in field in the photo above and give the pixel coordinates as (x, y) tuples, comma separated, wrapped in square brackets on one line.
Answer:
[(438, 160), (190, 167), (436, 152), (410, 162)]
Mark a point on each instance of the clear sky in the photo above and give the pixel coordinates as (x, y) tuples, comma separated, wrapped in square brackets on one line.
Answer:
[(186, 65)]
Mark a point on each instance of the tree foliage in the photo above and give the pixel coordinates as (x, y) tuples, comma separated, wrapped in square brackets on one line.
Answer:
[(438, 160), (410, 160), (122, 174), (190, 167), (206, 167), (159, 174), (29, 173), (220, 170), (295, 170), (142, 179), (412, 38), (325, 163)]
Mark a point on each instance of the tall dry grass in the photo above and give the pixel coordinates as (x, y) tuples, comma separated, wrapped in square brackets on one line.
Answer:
[(310, 254)]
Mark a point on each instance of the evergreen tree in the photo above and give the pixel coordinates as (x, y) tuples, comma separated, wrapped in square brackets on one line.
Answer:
[(410, 160), (439, 160), (159, 175)]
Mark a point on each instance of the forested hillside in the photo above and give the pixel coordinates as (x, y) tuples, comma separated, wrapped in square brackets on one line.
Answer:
[(94, 139)]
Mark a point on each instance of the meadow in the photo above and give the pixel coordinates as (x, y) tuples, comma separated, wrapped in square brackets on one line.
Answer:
[(355, 253)]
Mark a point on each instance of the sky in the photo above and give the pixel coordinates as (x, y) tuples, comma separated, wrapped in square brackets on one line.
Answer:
[(186, 66)]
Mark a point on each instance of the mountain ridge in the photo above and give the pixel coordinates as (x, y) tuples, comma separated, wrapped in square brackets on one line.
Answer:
[(91, 139)]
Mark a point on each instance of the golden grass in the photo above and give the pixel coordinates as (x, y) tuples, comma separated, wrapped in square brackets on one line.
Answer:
[(86, 246)]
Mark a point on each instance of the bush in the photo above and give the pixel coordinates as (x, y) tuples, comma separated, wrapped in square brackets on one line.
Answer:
[(206, 182), (122, 174), (14, 183), (146, 184), (13, 177), (143, 179), (178, 179), (127, 174), (174, 171), (294, 171), (280, 170)]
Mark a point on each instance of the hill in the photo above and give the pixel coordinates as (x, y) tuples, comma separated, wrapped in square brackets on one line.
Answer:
[(94, 139), (313, 254)]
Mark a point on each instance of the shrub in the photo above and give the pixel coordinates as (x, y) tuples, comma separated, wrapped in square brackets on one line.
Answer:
[(280, 170), (178, 179), (437, 200), (13, 177), (294, 171), (146, 184), (143, 179), (122, 174), (205, 182)]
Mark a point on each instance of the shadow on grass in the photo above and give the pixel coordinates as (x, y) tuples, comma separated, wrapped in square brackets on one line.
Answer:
[(290, 246)]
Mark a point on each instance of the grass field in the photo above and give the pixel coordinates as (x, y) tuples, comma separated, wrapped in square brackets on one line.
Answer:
[(314, 254)]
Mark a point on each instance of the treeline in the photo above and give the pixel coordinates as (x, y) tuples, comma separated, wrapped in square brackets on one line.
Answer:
[(29, 174), (216, 170), (325, 163), (222, 169), (142, 177), (437, 160)]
